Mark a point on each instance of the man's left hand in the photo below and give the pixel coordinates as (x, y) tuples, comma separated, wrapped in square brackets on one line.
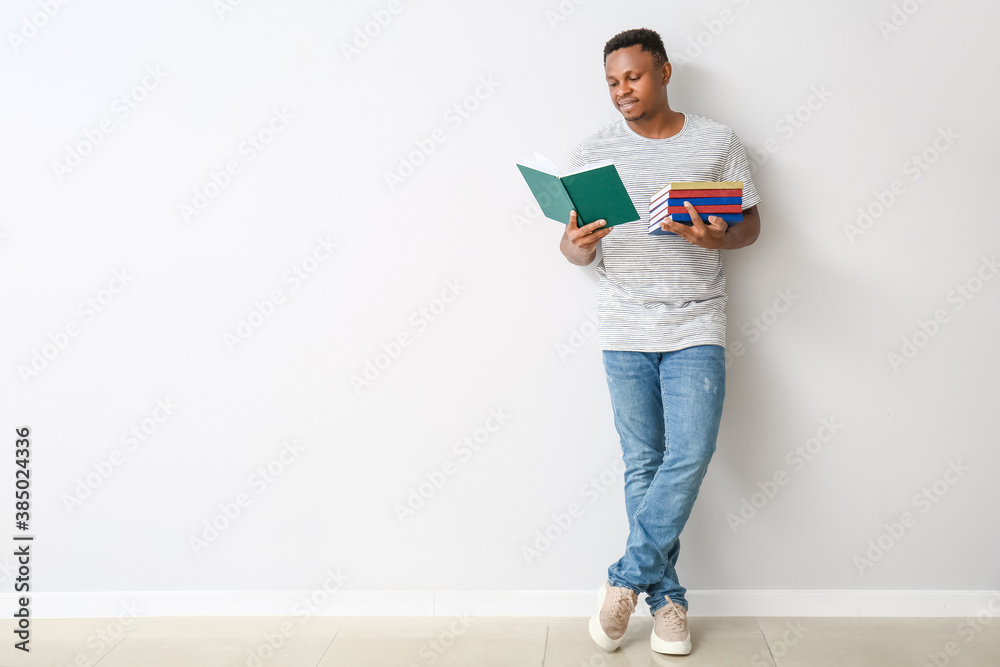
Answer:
[(709, 235)]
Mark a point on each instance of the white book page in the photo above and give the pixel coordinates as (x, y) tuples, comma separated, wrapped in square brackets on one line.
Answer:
[(589, 166), (542, 163)]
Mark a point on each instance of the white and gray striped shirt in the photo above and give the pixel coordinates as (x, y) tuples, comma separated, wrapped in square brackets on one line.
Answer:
[(662, 293)]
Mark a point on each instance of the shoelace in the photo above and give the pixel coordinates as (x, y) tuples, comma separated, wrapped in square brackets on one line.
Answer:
[(673, 617), (623, 606)]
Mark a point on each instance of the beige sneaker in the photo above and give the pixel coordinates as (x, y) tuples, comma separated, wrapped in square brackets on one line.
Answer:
[(615, 606), (670, 630)]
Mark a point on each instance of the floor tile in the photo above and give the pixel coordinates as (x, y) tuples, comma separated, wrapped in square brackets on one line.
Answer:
[(244, 627), (442, 641), (879, 642), (216, 652), (64, 641)]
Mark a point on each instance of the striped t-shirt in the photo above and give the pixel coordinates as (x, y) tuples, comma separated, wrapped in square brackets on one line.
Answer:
[(662, 293)]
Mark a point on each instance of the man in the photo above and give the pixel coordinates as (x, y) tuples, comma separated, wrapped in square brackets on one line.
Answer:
[(662, 326)]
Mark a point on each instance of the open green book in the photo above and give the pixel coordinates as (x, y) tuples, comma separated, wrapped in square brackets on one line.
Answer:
[(595, 192)]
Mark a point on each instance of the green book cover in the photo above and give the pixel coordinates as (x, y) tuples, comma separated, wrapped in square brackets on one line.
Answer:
[(595, 192)]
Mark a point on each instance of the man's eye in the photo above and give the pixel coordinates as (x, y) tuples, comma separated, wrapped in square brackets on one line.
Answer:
[(634, 78)]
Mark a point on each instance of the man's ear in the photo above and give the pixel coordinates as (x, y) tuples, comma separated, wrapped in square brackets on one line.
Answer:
[(667, 71)]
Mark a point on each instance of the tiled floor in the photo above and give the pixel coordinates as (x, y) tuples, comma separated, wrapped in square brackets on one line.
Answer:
[(513, 641)]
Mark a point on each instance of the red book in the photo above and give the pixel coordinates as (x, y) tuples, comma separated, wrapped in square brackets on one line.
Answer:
[(718, 208), (695, 194)]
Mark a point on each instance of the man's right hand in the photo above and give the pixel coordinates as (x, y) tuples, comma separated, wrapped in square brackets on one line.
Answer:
[(585, 238)]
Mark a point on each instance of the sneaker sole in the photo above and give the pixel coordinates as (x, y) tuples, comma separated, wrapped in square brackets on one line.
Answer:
[(682, 647), (596, 631)]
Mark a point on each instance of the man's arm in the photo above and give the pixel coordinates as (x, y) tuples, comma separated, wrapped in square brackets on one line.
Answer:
[(579, 244), (745, 233), (574, 255)]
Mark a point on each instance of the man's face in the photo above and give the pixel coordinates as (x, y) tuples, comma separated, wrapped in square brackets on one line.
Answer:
[(635, 84)]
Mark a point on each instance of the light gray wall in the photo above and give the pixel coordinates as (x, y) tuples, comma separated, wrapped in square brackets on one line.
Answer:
[(460, 238)]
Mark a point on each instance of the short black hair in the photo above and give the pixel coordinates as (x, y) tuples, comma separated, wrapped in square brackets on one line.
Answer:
[(648, 39)]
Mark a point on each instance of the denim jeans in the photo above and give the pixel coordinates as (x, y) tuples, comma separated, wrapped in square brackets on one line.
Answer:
[(667, 408)]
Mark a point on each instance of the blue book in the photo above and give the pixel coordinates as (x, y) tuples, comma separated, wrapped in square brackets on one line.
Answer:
[(705, 201), (686, 217), (654, 229)]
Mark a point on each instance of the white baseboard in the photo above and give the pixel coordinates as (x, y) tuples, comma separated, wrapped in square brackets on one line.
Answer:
[(891, 603)]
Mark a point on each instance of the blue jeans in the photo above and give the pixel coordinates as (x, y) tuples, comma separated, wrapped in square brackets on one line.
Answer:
[(667, 407)]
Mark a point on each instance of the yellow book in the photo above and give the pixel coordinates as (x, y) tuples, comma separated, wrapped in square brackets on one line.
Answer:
[(704, 185)]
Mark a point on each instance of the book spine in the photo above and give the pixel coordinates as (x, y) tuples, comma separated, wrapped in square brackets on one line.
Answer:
[(704, 185), (710, 197), (694, 194), (700, 185), (579, 217), (720, 205), (705, 201), (656, 230), (719, 208), (686, 217)]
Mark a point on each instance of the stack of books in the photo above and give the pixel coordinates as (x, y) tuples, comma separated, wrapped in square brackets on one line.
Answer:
[(722, 199)]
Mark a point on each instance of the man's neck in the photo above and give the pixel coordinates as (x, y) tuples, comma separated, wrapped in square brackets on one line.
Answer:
[(662, 125)]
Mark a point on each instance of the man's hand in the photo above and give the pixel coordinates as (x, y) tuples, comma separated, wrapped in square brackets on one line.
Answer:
[(579, 244), (585, 238), (707, 236), (717, 233)]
